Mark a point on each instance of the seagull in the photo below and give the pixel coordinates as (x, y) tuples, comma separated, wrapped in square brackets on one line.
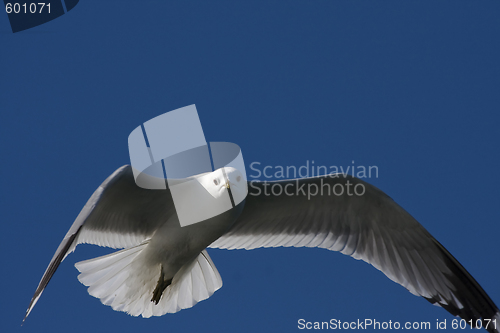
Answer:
[(163, 267)]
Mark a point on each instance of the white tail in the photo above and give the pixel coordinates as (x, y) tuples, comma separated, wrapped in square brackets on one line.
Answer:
[(126, 284)]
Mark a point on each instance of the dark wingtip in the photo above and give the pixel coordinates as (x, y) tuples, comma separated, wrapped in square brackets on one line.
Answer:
[(25, 316), (476, 304), (51, 269)]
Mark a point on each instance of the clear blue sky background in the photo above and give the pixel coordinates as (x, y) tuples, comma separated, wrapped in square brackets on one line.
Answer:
[(411, 87)]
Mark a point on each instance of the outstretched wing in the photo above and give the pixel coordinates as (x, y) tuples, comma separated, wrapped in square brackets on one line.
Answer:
[(351, 216), (119, 214)]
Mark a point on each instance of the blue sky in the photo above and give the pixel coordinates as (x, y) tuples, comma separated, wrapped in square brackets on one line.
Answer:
[(411, 87)]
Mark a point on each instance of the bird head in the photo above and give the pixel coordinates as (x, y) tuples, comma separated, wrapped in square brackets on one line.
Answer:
[(224, 179)]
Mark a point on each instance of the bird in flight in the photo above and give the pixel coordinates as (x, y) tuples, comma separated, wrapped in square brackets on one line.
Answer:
[(163, 267)]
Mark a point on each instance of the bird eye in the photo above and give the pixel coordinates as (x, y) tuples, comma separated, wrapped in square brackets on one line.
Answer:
[(238, 178), (216, 181)]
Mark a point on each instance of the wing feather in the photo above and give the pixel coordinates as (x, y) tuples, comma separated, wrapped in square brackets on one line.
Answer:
[(370, 227), (119, 214)]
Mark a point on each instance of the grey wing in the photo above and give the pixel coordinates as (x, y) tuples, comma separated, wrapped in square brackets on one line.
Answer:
[(370, 227), (119, 214)]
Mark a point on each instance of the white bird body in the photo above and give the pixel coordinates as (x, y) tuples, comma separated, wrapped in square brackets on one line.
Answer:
[(134, 279), (164, 267)]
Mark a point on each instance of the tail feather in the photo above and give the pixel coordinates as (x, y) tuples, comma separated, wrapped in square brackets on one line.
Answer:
[(123, 281), (193, 283), (99, 268)]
